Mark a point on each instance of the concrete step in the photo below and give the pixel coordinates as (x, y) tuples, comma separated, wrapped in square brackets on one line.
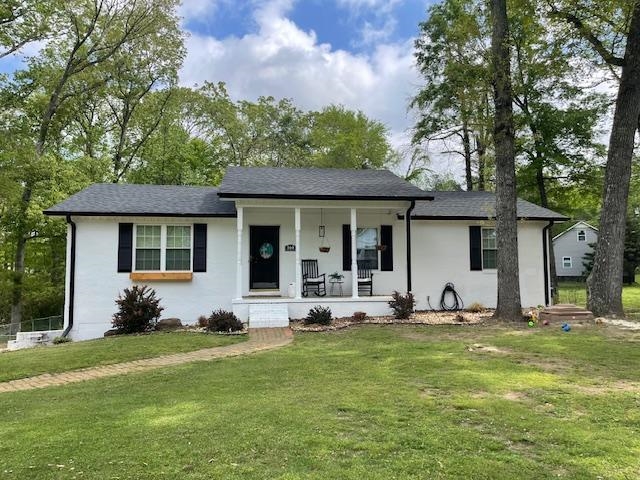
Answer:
[(565, 312), (33, 339), (268, 315)]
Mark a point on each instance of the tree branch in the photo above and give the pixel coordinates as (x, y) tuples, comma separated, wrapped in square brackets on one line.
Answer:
[(589, 36)]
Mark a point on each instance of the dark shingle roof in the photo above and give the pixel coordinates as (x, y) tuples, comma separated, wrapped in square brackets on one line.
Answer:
[(317, 183), (145, 200), (107, 199), (476, 205)]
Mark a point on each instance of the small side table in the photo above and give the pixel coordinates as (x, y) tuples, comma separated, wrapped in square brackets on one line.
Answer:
[(333, 284)]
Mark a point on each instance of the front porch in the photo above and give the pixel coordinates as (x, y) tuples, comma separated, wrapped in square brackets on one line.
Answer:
[(364, 243), (275, 311)]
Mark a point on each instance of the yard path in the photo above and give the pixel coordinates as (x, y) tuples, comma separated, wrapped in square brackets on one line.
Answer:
[(260, 339)]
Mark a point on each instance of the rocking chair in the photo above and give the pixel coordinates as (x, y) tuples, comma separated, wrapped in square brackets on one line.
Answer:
[(312, 280), (365, 280)]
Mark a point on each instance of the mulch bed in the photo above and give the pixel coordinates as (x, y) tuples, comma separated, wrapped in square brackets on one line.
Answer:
[(418, 318)]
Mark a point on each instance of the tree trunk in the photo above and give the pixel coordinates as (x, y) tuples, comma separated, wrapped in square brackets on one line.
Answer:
[(508, 303), (466, 144), (604, 284), (482, 164), (18, 270)]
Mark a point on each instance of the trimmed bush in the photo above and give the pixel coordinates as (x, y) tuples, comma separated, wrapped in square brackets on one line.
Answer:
[(224, 321), (138, 310), (476, 307), (359, 316), (59, 340), (319, 315), (402, 305), (203, 321)]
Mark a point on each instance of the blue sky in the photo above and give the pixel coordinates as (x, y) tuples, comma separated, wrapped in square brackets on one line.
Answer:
[(342, 24)]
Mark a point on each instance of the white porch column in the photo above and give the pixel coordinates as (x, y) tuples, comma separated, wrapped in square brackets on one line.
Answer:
[(239, 226), (298, 262), (354, 255)]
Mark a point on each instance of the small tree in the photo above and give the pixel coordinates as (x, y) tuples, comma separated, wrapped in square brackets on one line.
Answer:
[(138, 310)]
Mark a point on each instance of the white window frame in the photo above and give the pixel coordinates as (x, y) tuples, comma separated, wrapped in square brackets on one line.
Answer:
[(482, 249), (564, 264), (584, 232), (163, 245)]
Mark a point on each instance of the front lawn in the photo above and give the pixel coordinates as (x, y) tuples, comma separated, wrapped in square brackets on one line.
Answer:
[(104, 351), (375, 402)]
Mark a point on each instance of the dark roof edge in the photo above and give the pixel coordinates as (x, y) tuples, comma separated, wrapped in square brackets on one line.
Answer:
[(140, 214), (322, 197), (469, 217)]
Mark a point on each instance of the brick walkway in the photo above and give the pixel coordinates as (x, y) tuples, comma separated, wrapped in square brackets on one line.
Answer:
[(260, 339)]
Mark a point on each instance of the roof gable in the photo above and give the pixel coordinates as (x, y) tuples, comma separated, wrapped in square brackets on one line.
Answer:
[(578, 224), (317, 183)]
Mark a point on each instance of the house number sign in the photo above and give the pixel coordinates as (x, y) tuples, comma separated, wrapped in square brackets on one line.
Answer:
[(290, 248)]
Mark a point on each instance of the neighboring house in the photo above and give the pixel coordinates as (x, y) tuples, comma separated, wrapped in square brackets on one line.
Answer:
[(570, 247), (241, 246)]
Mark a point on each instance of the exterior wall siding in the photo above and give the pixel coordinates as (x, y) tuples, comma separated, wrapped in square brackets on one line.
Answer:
[(567, 245), (98, 283), (440, 254)]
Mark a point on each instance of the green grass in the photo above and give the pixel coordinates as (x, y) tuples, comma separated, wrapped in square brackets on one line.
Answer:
[(376, 402), (576, 293), (70, 356)]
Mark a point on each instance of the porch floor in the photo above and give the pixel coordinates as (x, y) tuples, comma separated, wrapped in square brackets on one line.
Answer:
[(311, 299)]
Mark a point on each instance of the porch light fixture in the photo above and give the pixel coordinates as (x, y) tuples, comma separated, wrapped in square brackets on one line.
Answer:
[(321, 226), (321, 231)]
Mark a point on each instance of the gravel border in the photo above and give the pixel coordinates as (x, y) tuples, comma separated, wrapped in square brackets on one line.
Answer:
[(418, 318)]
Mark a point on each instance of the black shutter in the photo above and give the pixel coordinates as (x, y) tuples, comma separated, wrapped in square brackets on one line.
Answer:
[(386, 256), (125, 247), (346, 247), (475, 247), (199, 247)]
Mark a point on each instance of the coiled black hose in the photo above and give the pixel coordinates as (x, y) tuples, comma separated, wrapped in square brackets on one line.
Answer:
[(458, 304)]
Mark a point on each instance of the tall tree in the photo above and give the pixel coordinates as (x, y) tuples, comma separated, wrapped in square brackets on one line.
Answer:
[(74, 62), (508, 303), (452, 53), (347, 139), (604, 284)]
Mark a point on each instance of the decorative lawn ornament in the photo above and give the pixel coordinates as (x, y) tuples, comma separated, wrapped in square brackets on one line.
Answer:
[(566, 327), (531, 323)]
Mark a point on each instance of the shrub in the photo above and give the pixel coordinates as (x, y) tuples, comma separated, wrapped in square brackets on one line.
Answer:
[(224, 321), (320, 315), (359, 316), (402, 305), (203, 321), (59, 340), (138, 310), (475, 307)]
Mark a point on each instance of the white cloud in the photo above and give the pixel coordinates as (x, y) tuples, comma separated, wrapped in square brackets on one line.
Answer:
[(194, 9), (282, 60)]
